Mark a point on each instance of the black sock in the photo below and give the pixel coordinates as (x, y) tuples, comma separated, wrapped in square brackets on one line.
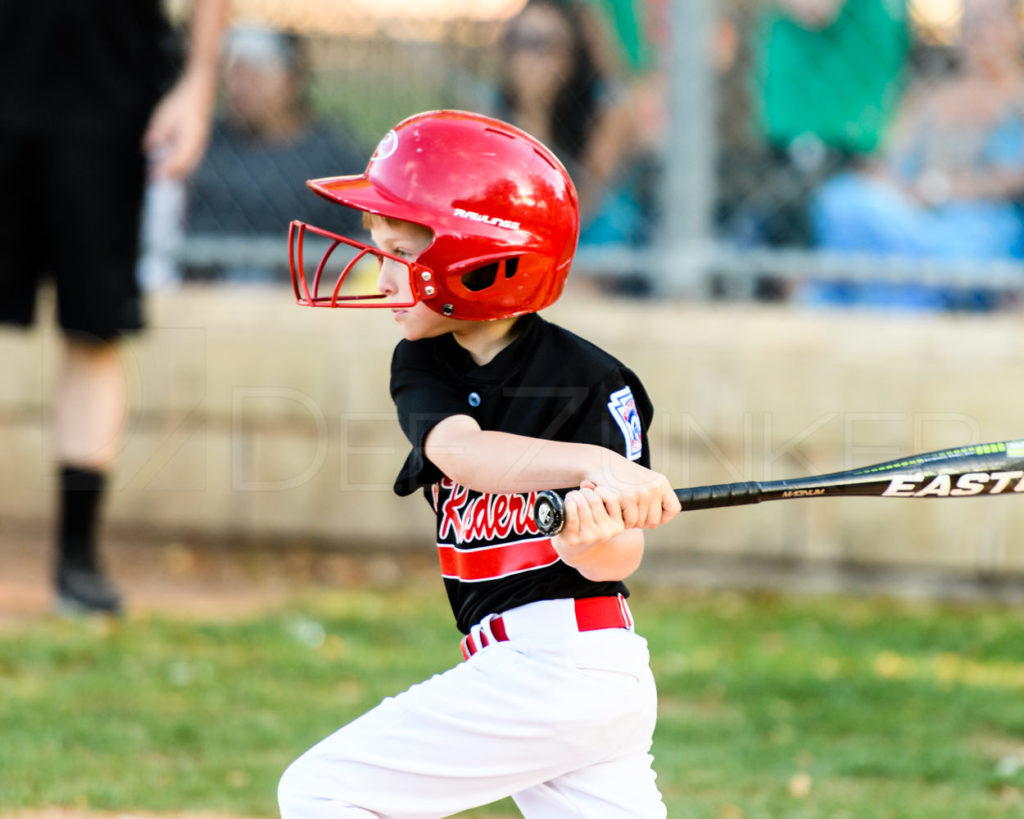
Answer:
[(81, 491)]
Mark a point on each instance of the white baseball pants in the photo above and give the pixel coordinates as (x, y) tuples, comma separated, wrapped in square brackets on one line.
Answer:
[(559, 719)]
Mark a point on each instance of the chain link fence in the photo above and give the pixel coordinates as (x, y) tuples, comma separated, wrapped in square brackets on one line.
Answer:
[(866, 152)]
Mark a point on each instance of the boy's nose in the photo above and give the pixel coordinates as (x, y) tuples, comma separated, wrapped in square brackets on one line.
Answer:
[(386, 281)]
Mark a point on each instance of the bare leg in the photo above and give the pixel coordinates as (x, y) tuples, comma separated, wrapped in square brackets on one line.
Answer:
[(89, 415), (92, 400)]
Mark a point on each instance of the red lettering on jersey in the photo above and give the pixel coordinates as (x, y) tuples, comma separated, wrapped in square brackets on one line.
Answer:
[(486, 517), (483, 519), (499, 514), (451, 517), (521, 506), (478, 516)]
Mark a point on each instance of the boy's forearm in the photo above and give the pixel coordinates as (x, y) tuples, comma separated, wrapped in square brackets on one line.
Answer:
[(490, 461)]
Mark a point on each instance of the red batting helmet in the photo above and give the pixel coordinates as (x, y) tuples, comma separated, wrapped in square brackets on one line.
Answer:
[(502, 209)]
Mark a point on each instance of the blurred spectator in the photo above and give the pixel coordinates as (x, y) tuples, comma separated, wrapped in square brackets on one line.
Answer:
[(554, 87), (266, 143), (827, 76), (950, 183)]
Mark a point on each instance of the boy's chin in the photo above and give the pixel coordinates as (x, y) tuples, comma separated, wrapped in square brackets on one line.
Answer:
[(412, 332)]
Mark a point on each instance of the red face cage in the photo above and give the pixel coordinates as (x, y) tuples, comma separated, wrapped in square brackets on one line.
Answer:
[(308, 293)]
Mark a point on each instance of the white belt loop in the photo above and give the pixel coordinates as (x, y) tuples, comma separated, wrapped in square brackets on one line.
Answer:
[(486, 636), (626, 613), (480, 636)]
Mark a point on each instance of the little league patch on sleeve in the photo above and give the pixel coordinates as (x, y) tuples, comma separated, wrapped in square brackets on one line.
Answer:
[(623, 409)]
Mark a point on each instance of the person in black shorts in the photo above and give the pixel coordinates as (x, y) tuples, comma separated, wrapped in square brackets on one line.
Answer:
[(88, 98), (475, 225)]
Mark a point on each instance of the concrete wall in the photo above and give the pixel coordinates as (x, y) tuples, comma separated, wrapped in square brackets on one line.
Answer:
[(254, 418)]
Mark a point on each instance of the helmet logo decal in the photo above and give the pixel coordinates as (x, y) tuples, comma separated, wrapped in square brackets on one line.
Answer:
[(387, 146), (490, 220)]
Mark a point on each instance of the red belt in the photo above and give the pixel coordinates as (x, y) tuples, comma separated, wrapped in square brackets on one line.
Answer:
[(592, 613)]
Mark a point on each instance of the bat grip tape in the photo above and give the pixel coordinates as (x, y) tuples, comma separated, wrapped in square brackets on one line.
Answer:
[(721, 494)]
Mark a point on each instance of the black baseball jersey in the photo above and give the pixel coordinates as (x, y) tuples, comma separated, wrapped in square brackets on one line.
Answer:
[(548, 383)]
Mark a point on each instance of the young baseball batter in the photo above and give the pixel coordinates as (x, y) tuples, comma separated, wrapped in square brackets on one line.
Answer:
[(475, 225)]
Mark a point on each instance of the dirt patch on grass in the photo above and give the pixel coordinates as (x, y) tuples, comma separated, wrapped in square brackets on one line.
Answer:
[(196, 577)]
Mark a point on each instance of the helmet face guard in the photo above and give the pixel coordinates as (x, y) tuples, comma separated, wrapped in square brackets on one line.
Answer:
[(327, 286)]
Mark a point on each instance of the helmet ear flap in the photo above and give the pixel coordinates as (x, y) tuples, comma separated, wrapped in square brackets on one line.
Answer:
[(480, 278), (499, 282)]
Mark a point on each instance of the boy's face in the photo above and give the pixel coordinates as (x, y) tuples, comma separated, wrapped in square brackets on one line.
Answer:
[(407, 241)]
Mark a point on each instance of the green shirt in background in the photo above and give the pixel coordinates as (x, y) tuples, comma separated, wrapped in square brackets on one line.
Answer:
[(628, 22), (840, 83)]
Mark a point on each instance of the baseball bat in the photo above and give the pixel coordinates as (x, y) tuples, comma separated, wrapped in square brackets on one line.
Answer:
[(983, 469)]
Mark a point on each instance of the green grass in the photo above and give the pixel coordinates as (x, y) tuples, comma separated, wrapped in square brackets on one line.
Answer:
[(770, 707)]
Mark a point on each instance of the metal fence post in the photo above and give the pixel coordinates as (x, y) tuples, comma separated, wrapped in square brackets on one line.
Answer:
[(685, 239)]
